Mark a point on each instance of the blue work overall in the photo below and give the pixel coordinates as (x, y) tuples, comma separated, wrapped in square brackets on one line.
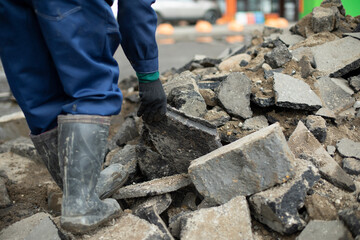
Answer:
[(58, 54)]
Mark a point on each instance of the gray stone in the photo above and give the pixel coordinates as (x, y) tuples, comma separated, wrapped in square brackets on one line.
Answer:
[(351, 166), (290, 39), (335, 94), (278, 56), (319, 208), (127, 132), (209, 97), (329, 230), (217, 77), (278, 207), (267, 31), (294, 93), (189, 201), (129, 227), (255, 123), (347, 57), (317, 126), (304, 145), (24, 229), (180, 138), (13, 126), (354, 35), (154, 187), (306, 67), (45, 230), (326, 113), (348, 148), (232, 64), (237, 102), (323, 20), (351, 219), (126, 156), (244, 167), (331, 150), (152, 165), (54, 202), (212, 85), (4, 196), (229, 221), (25, 148), (183, 93), (217, 116), (263, 100), (355, 82), (229, 52), (175, 221), (160, 204), (357, 105)]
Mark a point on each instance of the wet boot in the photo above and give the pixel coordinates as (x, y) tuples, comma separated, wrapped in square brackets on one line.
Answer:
[(82, 144), (110, 180)]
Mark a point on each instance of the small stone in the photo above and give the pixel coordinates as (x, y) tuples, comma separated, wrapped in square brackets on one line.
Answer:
[(229, 52), (267, 31), (4, 196), (189, 201), (153, 187), (317, 126), (351, 219), (319, 208), (209, 97), (237, 102), (331, 150), (244, 63), (244, 167), (294, 93), (305, 66), (255, 123), (348, 148), (54, 202), (351, 166), (217, 116), (279, 56), (304, 145), (330, 230), (230, 221), (355, 82), (324, 19), (232, 64)]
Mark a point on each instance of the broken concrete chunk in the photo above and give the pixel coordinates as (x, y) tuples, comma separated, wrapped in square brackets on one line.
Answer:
[(229, 52), (326, 113), (317, 126), (160, 204), (351, 166), (348, 148), (175, 220), (255, 123), (181, 139), (290, 39), (126, 156), (24, 147), (209, 97), (232, 64), (331, 150), (278, 207), (189, 101), (229, 221), (152, 165), (347, 57), (335, 93), (4, 196), (217, 116), (267, 31), (127, 132), (305, 146), (244, 167), (154, 187), (354, 35), (237, 102), (306, 67), (355, 82), (129, 227), (319, 208), (32, 228), (351, 219), (294, 93), (323, 19), (329, 230), (278, 56)]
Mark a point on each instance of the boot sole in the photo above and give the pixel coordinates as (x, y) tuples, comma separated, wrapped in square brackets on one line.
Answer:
[(81, 225)]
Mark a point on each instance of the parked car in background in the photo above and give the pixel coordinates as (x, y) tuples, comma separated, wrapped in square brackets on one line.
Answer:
[(189, 10)]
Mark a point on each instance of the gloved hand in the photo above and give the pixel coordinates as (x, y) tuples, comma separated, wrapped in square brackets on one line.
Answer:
[(153, 101)]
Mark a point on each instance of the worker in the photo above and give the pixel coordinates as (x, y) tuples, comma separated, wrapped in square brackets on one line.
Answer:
[(58, 59)]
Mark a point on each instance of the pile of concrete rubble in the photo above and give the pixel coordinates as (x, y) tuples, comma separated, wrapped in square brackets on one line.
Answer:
[(260, 143)]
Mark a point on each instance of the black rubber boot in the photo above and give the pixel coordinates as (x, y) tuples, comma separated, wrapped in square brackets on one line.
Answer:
[(82, 144), (110, 180)]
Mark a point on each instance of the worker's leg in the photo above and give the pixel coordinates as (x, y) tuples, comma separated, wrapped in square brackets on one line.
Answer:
[(29, 67), (82, 37)]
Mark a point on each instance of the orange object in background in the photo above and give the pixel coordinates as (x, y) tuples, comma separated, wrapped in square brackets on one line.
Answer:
[(271, 16), (203, 26), (234, 39), (165, 41), (235, 26), (229, 12), (204, 39), (277, 22), (165, 29)]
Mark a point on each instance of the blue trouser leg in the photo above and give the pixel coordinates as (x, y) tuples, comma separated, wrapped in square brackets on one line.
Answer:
[(59, 60)]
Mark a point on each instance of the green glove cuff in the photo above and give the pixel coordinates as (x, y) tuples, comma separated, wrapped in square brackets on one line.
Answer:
[(147, 77)]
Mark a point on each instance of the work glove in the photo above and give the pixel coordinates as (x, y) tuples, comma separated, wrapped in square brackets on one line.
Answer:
[(153, 101)]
